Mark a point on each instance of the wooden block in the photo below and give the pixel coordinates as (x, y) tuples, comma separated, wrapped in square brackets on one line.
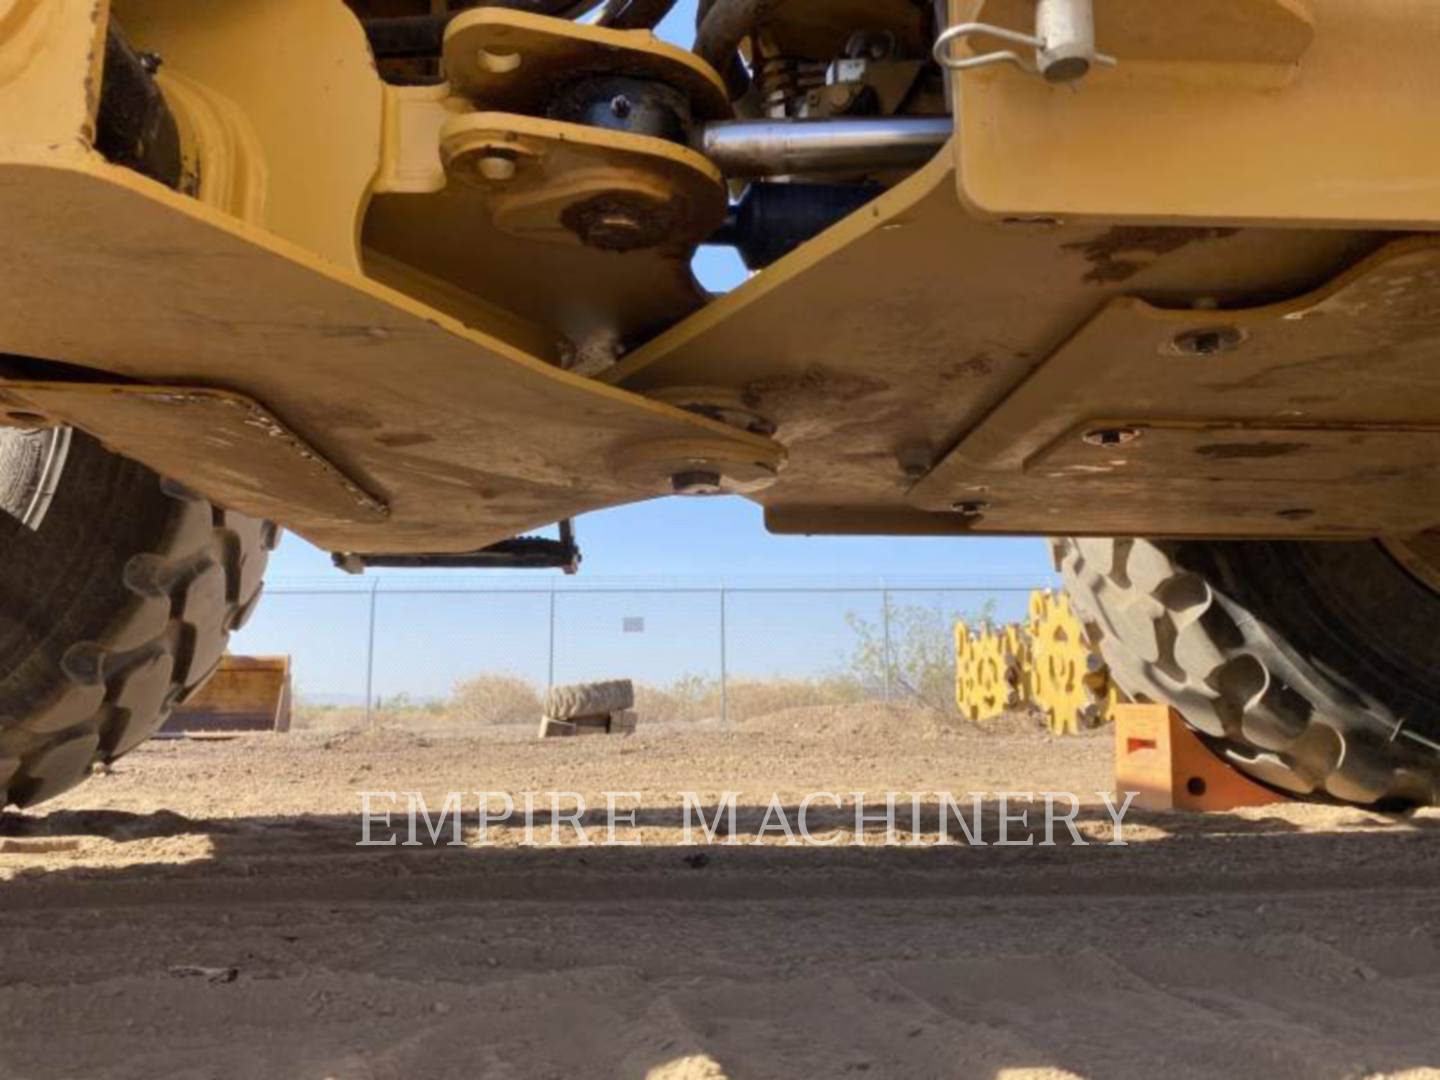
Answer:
[(555, 729), (623, 723), (1157, 755), (592, 729)]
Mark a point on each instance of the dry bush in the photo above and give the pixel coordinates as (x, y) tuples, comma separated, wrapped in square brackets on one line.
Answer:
[(759, 697), (695, 698), (494, 699), (308, 717), (688, 699)]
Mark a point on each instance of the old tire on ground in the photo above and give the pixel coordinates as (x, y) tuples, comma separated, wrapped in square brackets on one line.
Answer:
[(589, 699), (118, 593), (1314, 667)]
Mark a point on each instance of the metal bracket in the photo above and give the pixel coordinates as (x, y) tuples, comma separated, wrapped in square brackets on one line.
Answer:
[(522, 553), (1064, 43)]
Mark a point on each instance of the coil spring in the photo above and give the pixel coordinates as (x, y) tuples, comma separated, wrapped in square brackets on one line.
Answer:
[(785, 81)]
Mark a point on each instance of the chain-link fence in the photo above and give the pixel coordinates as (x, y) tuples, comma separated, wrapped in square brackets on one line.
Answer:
[(394, 648)]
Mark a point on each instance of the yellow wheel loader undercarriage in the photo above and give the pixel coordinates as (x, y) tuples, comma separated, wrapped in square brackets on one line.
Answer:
[(412, 281)]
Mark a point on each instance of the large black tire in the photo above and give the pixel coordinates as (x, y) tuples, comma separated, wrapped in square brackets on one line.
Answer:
[(118, 594), (589, 699), (1314, 667)]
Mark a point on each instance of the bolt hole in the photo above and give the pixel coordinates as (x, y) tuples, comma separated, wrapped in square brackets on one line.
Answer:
[(1196, 786), (1033, 222), (973, 508), (1208, 341), (497, 63), (1112, 436)]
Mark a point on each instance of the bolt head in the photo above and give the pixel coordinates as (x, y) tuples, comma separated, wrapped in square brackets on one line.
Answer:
[(497, 167), (697, 482)]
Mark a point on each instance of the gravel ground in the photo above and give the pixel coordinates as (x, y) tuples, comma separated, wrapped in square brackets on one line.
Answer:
[(204, 911)]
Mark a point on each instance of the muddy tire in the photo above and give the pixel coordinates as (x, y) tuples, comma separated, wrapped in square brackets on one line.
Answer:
[(589, 699), (1314, 667), (118, 593)]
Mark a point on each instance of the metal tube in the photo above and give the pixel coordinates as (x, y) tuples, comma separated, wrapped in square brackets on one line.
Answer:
[(1067, 28), (370, 660), (724, 665), (751, 148)]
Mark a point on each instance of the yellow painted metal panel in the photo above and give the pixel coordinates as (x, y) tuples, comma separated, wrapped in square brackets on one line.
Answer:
[(1204, 121), (467, 439)]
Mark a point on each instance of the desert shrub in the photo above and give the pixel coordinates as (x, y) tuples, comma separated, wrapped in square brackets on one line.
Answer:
[(687, 699), (494, 699), (746, 698), (696, 697), (920, 657)]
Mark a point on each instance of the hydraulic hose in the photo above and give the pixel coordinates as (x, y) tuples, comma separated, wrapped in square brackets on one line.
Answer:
[(723, 25), (635, 14)]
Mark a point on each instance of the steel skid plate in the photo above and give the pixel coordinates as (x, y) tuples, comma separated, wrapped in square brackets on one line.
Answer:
[(210, 440), (880, 345), (467, 440), (1221, 112), (1319, 416)]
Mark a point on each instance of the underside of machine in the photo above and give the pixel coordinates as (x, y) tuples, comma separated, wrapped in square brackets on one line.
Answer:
[(430, 305), (413, 278)]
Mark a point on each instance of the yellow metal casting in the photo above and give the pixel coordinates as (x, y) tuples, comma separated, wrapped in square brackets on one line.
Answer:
[(555, 182), (282, 108), (992, 671), (511, 61), (51, 54), (1071, 683)]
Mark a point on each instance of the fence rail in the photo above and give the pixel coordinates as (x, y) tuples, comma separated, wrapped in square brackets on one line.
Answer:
[(365, 648)]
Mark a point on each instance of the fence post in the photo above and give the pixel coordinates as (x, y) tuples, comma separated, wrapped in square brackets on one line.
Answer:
[(885, 617), (550, 683), (370, 660), (724, 665)]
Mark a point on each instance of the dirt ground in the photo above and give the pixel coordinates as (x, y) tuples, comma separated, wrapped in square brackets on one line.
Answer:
[(204, 911)]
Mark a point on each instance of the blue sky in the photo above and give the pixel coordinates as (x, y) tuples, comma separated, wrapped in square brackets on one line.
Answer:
[(725, 538)]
